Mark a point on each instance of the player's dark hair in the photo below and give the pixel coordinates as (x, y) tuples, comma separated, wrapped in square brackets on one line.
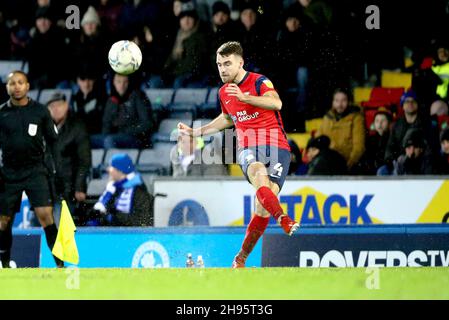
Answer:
[(18, 72), (345, 91), (230, 47)]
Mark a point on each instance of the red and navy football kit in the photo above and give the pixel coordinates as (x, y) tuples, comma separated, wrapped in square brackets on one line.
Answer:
[(260, 132)]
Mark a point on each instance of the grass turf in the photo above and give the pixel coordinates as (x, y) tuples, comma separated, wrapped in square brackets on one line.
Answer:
[(214, 284)]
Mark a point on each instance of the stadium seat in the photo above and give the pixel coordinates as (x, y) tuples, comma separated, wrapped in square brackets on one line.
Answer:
[(182, 111), (300, 139), (235, 170), (97, 157), (148, 179), (384, 97), (181, 115), (443, 122), (47, 93), (160, 98), (166, 128), (313, 124), (96, 187), (209, 108), (190, 96), (361, 94), (6, 66), (34, 94), (396, 79), (150, 162)]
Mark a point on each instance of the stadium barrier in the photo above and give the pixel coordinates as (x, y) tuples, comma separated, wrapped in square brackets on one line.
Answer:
[(311, 201)]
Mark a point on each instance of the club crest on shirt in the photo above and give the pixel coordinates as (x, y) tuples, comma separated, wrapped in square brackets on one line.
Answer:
[(32, 129)]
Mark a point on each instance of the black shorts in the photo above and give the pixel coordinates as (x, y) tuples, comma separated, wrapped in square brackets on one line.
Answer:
[(276, 160), (36, 187)]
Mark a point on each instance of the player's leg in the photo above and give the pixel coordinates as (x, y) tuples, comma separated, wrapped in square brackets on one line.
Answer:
[(267, 192), (254, 231), (38, 191)]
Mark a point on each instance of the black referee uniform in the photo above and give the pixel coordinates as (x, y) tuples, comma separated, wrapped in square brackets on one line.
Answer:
[(25, 133)]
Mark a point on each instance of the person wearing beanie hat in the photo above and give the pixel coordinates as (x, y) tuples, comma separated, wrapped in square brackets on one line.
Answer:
[(323, 160), (220, 6), (90, 22), (410, 120), (408, 96), (126, 201), (417, 157)]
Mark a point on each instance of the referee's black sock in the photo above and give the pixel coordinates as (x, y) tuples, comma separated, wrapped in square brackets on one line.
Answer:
[(51, 233), (5, 246)]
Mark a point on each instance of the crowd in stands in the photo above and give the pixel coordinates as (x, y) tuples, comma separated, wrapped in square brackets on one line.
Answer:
[(308, 48)]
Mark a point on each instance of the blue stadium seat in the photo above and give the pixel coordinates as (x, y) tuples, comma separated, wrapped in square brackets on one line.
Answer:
[(210, 107), (190, 96), (95, 187), (150, 163), (166, 128), (6, 66), (160, 98), (47, 93), (34, 94)]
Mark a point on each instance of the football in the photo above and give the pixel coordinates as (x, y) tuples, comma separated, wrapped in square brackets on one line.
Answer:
[(125, 57)]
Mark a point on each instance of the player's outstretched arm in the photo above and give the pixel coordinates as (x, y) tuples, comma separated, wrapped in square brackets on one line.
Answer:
[(221, 122), (269, 101)]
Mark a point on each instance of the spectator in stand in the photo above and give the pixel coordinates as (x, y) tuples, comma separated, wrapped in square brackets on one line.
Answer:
[(344, 125), (417, 157), (154, 53), (443, 157), (318, 11), (188, 63), (46, 52), (254, 38), (89, 100), (187, 159), (297, 166), (441, 69), (410, 120), (109, 13), (126, 201), (5, 44), (91, 46), (136, 14), (73, 147), (126, 119), (376, 143), (294, 53), (323, 160), (223, 30)]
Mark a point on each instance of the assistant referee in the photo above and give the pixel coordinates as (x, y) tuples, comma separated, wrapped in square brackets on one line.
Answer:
[(26, 130)]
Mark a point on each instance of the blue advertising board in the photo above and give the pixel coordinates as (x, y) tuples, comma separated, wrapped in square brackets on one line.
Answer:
[(157, 247), (25, 250), (359, 246)]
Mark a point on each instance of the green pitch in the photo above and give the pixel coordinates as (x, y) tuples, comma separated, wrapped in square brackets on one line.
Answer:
[(207, 284)]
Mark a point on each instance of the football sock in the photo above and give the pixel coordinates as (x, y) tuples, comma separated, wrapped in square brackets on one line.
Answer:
[(255, 229), (5, 246), (269, 201), (51, 232)]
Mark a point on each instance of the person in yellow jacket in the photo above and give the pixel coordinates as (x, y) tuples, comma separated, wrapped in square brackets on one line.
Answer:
[(344, 125), (441, 69)]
